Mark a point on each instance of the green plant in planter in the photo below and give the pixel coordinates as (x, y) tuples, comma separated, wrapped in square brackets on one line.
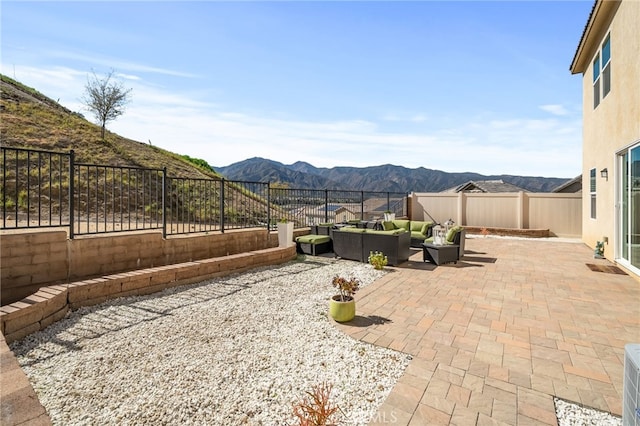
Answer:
[(377, 259), (346, 287), (598, 252)]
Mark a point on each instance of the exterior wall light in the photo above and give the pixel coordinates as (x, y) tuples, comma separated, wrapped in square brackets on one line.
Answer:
[(604, 173)]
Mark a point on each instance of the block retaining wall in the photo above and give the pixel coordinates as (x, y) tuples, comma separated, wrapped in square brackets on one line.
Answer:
[(30, 260)]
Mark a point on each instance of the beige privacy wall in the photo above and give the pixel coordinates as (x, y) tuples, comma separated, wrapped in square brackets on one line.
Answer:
[(31, 259), (561, 214)]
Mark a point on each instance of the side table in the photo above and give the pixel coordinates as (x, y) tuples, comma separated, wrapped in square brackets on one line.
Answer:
[(440, 253)]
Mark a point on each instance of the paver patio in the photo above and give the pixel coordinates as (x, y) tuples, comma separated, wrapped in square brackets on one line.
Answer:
[(497, 336), (493, 338)]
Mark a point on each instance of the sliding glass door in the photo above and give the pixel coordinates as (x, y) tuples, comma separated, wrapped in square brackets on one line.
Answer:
[(629, 206)]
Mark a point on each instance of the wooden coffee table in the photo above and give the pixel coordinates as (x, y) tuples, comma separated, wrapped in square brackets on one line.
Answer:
[(440, 253)]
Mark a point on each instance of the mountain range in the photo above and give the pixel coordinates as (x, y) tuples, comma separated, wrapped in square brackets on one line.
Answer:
[(386, 177)]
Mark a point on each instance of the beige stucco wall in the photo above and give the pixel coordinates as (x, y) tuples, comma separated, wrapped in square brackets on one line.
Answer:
[(614, 124)]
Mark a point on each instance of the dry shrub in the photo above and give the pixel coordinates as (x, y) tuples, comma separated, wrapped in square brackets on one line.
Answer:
[(315, 409)]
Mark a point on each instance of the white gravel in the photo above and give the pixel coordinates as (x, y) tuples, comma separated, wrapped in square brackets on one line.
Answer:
[(235, 350), (570, 414)]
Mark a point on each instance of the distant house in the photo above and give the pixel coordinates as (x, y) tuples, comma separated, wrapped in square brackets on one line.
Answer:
[(571, 186), (333, 213), (374, 208), (485, 186), (608, 59)]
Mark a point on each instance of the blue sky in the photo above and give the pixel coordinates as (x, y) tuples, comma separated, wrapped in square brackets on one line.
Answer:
[(456, 86)]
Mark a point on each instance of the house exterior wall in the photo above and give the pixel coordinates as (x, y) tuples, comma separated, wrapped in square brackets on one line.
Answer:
[(615, 123)]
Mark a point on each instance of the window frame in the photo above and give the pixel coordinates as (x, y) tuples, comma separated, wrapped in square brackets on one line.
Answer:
[(596, 81), (606, 66), (602, 72)]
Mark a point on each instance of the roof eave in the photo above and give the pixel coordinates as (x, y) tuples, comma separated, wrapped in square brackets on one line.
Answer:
[(599, 17)]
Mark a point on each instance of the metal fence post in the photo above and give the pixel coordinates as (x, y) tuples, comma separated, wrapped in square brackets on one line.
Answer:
[(164, 202), (268, 207), (408, 206), (72, 178), (222, 205), (326, 206)]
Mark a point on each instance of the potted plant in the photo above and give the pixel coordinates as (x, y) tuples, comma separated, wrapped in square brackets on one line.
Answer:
[(342, 306), (389, 216), (285, 233), (598, 252), (377, 259)]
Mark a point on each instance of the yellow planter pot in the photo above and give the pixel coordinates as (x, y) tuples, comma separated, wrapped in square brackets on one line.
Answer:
[(342, 311)]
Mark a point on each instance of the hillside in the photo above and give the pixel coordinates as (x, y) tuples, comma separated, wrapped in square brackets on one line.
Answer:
[(378, 178), (29, 119)]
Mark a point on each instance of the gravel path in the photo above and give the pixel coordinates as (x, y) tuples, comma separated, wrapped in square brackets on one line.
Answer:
[(235, 350)]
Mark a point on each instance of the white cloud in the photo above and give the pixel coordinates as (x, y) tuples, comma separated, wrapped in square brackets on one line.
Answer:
[(113, 63), (411, 118), (555, 109), (127, 76), (525, 147), (185, 124)]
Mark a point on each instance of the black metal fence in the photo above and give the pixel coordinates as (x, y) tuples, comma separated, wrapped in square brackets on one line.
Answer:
[(49, 189)]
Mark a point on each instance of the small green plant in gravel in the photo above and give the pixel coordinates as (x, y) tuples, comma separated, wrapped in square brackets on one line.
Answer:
[(378, 260)]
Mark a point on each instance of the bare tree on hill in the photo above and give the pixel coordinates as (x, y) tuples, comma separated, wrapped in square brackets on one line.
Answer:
[(105, 98)]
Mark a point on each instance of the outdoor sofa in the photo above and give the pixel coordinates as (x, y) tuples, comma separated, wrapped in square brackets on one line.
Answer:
[(420, 230), (356, 243)]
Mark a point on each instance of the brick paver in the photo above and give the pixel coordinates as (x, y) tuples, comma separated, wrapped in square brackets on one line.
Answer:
[(495, 337)]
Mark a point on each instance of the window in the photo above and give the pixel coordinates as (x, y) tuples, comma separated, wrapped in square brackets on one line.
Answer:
[(592, 192), (606, 67), (602, 72)]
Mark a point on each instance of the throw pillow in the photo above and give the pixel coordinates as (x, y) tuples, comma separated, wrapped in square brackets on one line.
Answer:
[(417, 226), (388, 226), (451, 235), (401, 223)]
